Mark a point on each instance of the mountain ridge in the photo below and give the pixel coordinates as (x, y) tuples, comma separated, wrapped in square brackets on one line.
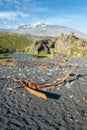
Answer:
[(45, 29)]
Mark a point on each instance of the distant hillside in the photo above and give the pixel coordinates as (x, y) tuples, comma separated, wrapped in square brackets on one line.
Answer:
[(43, 29), (65, 45), (13, 41), (70, 45)]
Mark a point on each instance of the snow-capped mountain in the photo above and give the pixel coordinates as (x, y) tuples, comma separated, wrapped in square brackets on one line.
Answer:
[(41, 24), (45, 29)]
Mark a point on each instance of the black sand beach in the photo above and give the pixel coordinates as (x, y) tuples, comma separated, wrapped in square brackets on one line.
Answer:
[(66, 106)]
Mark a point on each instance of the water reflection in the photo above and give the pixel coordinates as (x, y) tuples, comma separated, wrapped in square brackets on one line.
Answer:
[(26, 56)]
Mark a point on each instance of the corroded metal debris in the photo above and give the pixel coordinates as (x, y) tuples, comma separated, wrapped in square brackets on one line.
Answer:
[(33, 88)]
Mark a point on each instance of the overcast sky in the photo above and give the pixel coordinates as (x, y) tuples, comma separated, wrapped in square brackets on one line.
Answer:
[(71, 13)]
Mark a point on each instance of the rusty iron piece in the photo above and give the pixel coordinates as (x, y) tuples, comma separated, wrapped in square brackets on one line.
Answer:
[(33, 88), (63, 60), (39, 94), (69, 72), (43, 67)]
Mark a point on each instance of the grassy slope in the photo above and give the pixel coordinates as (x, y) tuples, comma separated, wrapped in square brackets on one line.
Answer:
[(11, 41), (70, 45), (63, 45)]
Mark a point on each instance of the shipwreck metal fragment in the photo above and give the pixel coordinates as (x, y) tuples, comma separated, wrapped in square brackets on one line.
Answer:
[(33, 88)]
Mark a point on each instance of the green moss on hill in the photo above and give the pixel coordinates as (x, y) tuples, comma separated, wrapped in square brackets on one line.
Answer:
[(70, 45), (13, 41), (65, 45)]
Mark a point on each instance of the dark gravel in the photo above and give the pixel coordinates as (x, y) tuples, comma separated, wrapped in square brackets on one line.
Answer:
[(66, 107)]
